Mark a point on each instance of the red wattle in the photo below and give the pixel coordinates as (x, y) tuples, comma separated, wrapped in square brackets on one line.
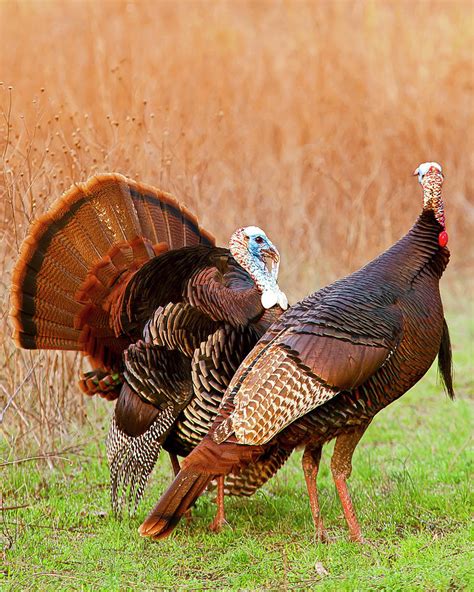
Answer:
[(443, 238)]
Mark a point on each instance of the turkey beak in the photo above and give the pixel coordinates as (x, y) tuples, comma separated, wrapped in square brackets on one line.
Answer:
[(417, 173)]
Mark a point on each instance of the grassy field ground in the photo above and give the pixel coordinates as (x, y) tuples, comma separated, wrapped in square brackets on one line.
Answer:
[(410, 484)]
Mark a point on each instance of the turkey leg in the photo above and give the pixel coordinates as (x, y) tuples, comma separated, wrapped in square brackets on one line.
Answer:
[(310, 462), (219, 520), (341, 467), (175, 463)]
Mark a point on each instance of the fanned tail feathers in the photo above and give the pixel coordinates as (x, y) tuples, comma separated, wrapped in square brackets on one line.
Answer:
[(78, 257)]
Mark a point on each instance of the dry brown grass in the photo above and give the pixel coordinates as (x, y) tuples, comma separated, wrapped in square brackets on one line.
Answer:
[(304, 118)]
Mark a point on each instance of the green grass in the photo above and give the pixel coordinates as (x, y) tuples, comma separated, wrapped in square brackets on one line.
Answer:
[(410, 486)]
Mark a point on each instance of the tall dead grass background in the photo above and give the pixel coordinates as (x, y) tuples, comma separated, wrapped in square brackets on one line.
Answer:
[(304, 118)]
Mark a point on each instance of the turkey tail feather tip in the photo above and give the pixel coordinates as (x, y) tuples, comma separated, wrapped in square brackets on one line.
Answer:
[(180, 496), (445, 361)]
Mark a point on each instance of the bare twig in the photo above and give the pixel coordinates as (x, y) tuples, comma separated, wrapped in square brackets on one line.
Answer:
[(17, 390), (56, 455), (8, 508)]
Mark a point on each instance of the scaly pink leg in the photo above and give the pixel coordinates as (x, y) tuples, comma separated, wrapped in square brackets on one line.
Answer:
[(341, 467), (219, 520), (355, 532), (175, 463), (311, 458)]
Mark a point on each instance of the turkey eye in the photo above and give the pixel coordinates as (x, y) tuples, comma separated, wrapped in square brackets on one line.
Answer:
[(258, 239)]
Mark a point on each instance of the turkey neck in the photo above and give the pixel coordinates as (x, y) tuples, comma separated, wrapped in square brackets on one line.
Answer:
[(264, 280), (424, 239), (421, 247), (418, 251), (432, 200)]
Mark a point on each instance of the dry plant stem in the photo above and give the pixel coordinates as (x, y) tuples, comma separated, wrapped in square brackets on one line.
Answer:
[(310, 462), (341, 467), (9, 508), (46, 457), (219, 519)]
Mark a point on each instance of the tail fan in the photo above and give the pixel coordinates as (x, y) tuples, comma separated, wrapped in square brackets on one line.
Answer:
[(78, 257), (445, 361)]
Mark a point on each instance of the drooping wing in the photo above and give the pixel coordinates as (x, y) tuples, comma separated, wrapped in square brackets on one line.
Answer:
[(225, 292), (208, 278), (300, 368), (159, 376), (134, 441), (158, 367)]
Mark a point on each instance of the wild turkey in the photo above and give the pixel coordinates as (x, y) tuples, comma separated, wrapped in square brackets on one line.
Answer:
[(327, 366), (123, 273)]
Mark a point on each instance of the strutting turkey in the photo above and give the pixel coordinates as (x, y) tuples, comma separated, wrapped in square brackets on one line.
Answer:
[(123, 273), (327, 366)]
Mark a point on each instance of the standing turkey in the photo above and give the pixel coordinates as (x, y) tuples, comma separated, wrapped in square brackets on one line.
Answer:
[(327, 366), (121, 272)]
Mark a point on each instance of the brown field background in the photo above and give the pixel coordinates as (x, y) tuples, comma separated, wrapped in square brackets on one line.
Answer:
[(304, 118)]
